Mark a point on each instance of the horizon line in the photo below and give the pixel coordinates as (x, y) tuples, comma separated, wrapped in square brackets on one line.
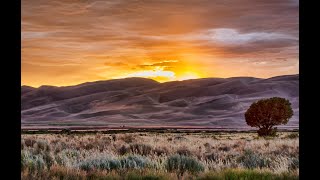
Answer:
[(156, 80)]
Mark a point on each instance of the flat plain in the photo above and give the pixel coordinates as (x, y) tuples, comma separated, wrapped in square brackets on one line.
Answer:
[(156, 155)]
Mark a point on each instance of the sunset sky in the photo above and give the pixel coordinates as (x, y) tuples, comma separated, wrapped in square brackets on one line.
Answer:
[(67, 42)]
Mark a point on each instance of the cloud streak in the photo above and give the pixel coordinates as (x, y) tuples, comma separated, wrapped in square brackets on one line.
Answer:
[(211, 38)]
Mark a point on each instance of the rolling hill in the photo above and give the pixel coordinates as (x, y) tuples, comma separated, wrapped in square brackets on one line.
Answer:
[(134, 102)]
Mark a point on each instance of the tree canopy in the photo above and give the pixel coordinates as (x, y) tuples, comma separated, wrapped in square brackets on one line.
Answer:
[(266, 113)]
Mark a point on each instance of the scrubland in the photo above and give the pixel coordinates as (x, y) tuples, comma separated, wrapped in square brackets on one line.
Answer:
[(160, 156)]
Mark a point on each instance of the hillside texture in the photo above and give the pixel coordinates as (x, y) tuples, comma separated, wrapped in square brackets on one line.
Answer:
[(208, 102)]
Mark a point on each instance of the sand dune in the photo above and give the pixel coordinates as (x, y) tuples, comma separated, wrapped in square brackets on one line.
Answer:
[(210, 102)]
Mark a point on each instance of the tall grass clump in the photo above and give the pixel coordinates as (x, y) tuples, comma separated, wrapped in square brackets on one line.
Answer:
[(251, 160), (29, 142), (32, 162), (104, 163), (67, 157), (128, 138), (181, 164), (134, 162), (141, 149), (41, 146), (109, 163), (294, 164)]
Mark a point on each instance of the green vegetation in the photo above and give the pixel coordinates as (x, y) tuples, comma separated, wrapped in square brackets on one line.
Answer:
[(267, 113), (252, 160), (229, 174), (109, 164), (181, 164), (293, 135), (159, 156), (237, 174)]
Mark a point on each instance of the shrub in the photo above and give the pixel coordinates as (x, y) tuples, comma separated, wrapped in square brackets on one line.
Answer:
[(67, 157), (100, 164), (180, 138), (89, 146), (207, 145), (123, 150), (127, 138), (224, 148), (22, 144), (294, 164), (235, 146), (105, 141), (114, 137), (134, 162), (48, 159), (60, 146), (73, 154), (183, 151), (32, 162), (267, 144), (251, 160), (29, 142), (160, 151), (108, 163), (141, 149), (212, 157), (65, 131), (181, 164), (41, 146), (292, 135)]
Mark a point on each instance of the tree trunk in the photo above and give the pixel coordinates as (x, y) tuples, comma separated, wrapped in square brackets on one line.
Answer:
[(265, 131)]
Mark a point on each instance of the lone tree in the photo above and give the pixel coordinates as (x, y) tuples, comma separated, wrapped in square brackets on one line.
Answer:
[(267, 113)]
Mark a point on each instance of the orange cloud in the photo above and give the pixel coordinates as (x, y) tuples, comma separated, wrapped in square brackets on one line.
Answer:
[(69, 42)]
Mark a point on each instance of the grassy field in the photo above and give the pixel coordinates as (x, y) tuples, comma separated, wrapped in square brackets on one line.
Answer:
[(154, 155)]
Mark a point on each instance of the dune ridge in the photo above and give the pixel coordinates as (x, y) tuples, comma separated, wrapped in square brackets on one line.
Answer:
[(207, 102)]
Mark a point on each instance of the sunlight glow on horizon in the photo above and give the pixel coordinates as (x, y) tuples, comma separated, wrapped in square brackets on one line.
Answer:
[(161, 75), (70, 43)]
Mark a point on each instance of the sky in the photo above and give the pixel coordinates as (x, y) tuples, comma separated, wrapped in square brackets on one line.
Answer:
[(68, 42)]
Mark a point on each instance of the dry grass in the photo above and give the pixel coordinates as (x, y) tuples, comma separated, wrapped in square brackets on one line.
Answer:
[(82, 154)]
